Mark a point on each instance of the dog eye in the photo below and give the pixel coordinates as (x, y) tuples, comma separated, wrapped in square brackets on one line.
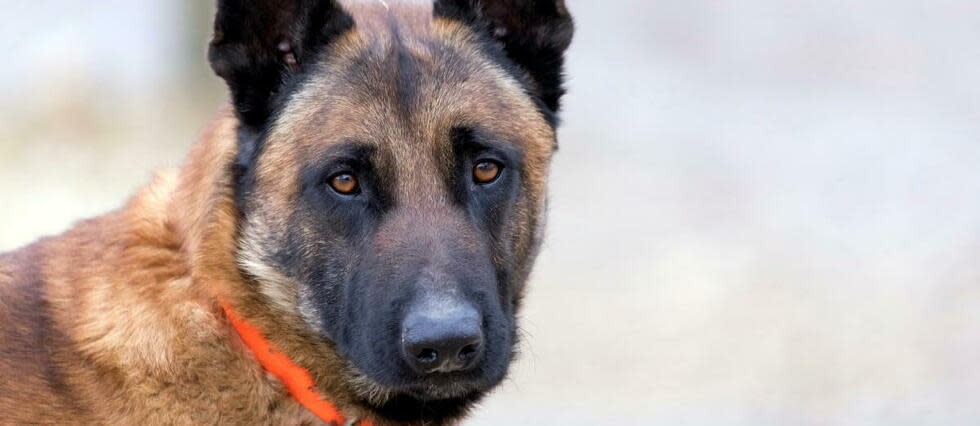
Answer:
[(344, 183), (486, 171)]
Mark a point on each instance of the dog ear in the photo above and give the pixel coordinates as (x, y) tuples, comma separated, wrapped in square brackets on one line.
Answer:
[(534, 34), (259, 44)]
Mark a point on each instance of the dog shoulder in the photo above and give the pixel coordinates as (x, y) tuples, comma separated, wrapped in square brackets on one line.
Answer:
[(32, 387), (76, 306)]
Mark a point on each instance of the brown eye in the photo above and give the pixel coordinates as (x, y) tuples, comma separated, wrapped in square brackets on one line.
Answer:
[(344, 183), (486, 171)]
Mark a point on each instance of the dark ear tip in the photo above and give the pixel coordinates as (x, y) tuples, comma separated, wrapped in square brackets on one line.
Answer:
[(217, 65), (218, 58), (564, 33)]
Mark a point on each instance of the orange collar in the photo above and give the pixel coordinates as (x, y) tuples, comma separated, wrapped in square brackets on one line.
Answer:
[(297, 379)]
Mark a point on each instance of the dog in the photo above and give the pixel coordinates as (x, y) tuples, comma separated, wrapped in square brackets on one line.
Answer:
[(348, 242)]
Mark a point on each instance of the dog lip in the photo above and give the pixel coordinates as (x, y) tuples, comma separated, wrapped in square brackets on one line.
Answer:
[(440, 392), (432, 387), (439, 386), (443, 381), (419, 406)]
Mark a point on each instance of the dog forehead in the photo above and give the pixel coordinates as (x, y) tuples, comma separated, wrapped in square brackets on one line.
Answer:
[(409, 69), (402, 81)]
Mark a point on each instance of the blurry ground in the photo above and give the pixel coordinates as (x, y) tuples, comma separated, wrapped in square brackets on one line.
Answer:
[(763, 212)]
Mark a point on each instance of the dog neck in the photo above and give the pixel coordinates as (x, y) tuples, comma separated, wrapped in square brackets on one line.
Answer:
[(297, 380)]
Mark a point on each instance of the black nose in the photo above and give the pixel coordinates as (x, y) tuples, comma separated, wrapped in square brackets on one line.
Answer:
[(442, 338)]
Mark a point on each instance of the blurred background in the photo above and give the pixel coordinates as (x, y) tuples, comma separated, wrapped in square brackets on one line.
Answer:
[(764, 212)]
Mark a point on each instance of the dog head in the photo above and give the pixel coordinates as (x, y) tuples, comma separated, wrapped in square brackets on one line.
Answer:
[(391, 180)]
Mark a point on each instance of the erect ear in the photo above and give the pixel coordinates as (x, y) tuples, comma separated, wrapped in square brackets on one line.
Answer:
[(259, 44), (534, 34)]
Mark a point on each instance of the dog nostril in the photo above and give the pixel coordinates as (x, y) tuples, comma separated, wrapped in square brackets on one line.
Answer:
[(427, 356), (468, 351)]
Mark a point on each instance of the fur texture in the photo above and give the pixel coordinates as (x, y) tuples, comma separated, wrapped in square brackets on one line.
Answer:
[(117, 320)]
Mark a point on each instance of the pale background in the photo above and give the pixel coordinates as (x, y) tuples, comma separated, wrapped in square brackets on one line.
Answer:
[(764, 212)]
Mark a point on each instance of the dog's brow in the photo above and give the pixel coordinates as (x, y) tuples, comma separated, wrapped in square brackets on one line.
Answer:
[(350, 150), (479, 138)]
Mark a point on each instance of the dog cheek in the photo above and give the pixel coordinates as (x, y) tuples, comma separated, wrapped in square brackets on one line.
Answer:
[(332, 278)]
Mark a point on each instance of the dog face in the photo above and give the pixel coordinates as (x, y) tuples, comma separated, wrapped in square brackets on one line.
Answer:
[(391, 180)]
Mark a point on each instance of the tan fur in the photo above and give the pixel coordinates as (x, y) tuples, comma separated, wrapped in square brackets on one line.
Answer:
[(133, 330), (117, 321)]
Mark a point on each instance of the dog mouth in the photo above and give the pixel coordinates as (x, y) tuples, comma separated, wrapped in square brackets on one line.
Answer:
[(441, 386), (406, 409), (425, 405), (432, 399), (432, 388)]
